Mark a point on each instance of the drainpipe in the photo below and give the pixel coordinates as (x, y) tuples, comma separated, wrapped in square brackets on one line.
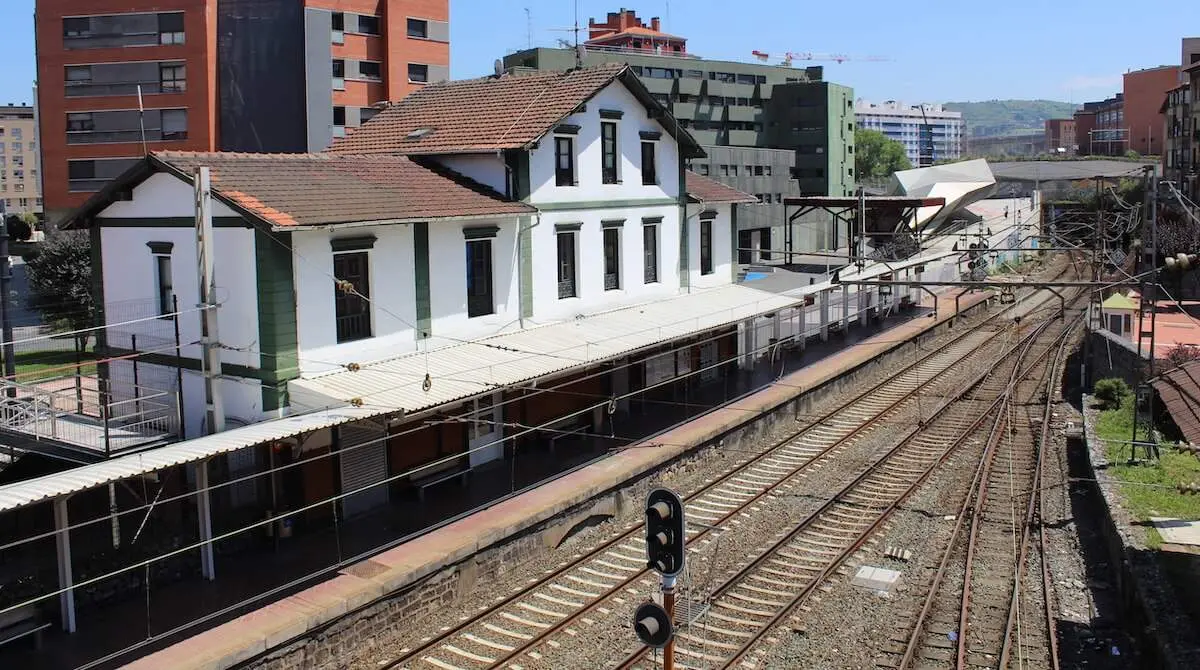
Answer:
[(522, 232)]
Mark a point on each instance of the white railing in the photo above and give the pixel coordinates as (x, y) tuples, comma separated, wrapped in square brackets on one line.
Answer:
[(75, 416)]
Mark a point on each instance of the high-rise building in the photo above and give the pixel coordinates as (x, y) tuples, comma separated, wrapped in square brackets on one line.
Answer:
[(234, 75), (20, 190), (904, 123)]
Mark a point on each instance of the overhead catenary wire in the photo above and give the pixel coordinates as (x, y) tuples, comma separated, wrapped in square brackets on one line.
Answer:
[(603, 401), (248, 527)]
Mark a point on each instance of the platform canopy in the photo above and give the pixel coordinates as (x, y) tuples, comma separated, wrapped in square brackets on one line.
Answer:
[(396, 386), (957, 184)]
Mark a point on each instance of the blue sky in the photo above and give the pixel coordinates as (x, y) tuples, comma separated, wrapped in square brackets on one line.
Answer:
[(1060, 50)]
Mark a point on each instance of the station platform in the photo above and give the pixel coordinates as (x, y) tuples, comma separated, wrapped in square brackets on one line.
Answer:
[(291, 618)]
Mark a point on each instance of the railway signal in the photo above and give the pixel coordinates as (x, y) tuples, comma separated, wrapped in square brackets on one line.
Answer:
[(665, 534), (653, 625)]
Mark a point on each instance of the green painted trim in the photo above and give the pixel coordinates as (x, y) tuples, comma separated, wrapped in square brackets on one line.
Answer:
[(708, 214), (161, 248), (611, 113), (612, 223), (525, 260), (650, 135), (566, 129), (193, 364), (607, 204), (651, 220), (278, 341), (421, 279), (480, 232), (171, 222), (357, 243), (567, 227)]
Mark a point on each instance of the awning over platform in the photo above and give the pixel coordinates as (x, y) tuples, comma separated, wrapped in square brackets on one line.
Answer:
[(463, 370), (456, 372)]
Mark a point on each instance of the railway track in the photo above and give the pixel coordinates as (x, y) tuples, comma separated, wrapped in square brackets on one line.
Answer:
[(763, 593), (978, 611), (516, 625)]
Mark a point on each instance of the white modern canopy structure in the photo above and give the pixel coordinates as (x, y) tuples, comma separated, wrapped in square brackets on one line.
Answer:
[(960, 184)]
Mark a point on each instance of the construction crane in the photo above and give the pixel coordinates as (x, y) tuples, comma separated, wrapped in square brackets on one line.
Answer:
[(790, 56)]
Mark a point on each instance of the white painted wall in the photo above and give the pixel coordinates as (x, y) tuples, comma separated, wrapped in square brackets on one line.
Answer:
[(162, 195), (722, 248), (130, 288), (589, 250), (242, 397), (588, 155), (393, 297), (487, 169), (130, 294), (448, 280)]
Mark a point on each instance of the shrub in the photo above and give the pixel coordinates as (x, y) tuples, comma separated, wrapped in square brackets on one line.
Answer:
[(1110, 392)]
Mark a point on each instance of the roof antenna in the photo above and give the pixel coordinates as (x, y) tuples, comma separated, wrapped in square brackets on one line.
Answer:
[(528, 29), (580, 51)]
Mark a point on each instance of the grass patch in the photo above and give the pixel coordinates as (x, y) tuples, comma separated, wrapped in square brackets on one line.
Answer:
[(1148, 487), (33, 366)]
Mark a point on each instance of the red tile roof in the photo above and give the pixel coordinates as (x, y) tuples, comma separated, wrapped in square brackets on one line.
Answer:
[(478, 115), (493, 113), (703, 189), (286, 190), (637, 31), (1179, 390)]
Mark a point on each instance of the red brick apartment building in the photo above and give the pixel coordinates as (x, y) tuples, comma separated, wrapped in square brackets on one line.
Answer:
[(1144, 94), (1060, 134), (215, 75)]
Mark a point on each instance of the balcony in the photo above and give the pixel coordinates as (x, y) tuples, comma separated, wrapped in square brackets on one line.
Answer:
[(83, 414)]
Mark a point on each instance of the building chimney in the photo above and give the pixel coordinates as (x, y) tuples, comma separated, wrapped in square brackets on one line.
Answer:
[(654, 24)]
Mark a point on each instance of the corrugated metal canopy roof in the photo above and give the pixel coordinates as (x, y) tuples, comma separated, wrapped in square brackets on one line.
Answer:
[(463, 370), (51, 486), (1179, 390), (457, 372)]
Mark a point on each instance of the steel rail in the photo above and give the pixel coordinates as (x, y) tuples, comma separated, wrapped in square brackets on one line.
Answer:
[(978, 480), (637, 655), (769, 452), (1032, 514), (996, 407), (820, 456)]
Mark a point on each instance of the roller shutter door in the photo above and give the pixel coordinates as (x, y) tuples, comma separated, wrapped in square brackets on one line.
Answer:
[(362, 466)]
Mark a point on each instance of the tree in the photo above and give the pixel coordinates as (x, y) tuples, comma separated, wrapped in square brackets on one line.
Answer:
[(60, 281), (1111, 392), (1182, 353), (876, 156), (18, 229)]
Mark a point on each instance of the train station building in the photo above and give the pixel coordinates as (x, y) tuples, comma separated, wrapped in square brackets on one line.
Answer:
[(468, 296)]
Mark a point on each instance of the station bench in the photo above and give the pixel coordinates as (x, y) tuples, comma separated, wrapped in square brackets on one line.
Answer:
[(459, 472), (22, 622)]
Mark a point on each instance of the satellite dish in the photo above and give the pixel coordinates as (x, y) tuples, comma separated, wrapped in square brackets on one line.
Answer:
[(498, 67)]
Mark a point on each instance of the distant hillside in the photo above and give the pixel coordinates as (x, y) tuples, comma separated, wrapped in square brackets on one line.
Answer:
[(1009, 117)]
